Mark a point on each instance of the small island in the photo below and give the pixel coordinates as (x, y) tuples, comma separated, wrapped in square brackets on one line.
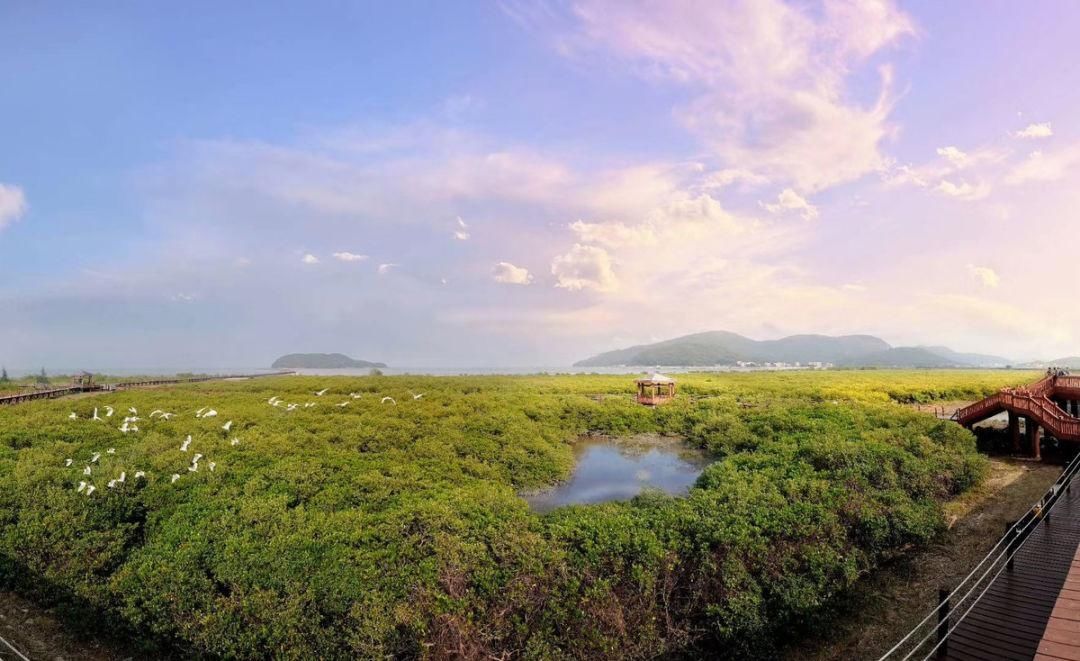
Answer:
[(321, 361)]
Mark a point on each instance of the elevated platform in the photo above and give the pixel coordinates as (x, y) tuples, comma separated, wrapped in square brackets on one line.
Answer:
[(1051, 404)]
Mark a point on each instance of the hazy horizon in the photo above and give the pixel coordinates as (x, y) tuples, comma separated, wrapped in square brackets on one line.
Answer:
[(529, 184)]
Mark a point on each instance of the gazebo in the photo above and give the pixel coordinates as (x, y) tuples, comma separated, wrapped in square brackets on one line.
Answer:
[(655, 389)]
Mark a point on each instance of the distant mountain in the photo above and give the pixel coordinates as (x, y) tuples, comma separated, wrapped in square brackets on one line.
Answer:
[(904, 357), (1069, 362), (321, 361), (724, 348), (972, 359)]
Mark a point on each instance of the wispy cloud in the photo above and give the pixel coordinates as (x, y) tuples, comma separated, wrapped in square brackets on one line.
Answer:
[(789, 200), (1042, 130), (461, 233), (309, 259), (12, 204), (349, 257), (508, 274), (384, 269)]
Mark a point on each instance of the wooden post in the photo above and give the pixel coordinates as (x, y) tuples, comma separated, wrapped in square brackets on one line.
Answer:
[(1014, 431), (1036, 441), (943, 622)]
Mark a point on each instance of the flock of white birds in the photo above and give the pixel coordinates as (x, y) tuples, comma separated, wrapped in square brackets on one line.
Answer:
[(130, 425)]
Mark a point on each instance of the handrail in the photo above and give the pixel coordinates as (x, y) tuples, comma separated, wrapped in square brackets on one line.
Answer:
[(1031, 519), (1033, 400)]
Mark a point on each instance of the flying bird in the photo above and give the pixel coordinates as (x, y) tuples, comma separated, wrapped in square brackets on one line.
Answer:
[(185, 444), (175, 477), (212, 465), (108, 411), (90, 489), (210, 414), (123, 477), (67, 462), (196, 458), (111, 484), (166, 416), (320, 393), (156, 412), (72, 416), (111, 451), (194, 468), (227, 426), (389, 399), (86, 471), (139, 474), (82, 485), (235, 441), (96, 415), (420, 396), (354, 395), (273, 400), (132, 411), (95, 457), (198, 414), (309, 404), (343, 404), (291, 407)]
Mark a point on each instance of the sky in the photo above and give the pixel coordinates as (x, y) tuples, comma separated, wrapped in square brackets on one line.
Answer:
[(528, 183)]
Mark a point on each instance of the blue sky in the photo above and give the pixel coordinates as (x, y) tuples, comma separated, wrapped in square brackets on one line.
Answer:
[(527, 183)]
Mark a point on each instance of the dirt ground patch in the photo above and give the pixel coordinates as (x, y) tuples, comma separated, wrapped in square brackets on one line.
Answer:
[(886, 604), (40, 634)]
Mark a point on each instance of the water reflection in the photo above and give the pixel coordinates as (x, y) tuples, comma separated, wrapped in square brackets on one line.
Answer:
[(619, 469)]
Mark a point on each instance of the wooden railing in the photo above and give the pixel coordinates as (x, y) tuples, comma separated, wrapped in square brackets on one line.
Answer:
[(1033, 401), (18, 398)]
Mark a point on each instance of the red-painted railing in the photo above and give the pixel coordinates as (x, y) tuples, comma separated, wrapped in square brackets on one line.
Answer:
[(1033, 401)]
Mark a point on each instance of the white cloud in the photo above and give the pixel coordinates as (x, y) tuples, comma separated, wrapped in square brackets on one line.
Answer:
[(349, 257), (309, 259), (789, 200), (584, 267), (1042, 130), (12, 204), (1045, 166), (508, 274), (984, 274), (953, 155), (854, 287), (963, 190), (461, 233), (614, 233), (383, 269), (768, 77), (184, 298)]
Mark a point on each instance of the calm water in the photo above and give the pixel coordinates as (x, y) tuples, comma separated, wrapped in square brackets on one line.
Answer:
[(619, 469)]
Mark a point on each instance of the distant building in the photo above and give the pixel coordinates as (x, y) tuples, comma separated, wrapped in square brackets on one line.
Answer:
[(655, 389)]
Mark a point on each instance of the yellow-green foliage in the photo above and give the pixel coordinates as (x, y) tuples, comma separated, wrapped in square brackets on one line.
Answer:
[(376, 529)]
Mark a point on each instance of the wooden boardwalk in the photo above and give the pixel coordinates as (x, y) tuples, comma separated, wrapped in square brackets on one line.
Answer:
[(1011, 618)]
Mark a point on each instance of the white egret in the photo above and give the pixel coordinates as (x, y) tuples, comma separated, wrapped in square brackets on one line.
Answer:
[(72, 416), (212, 465), (111, 451), (86, 471), (96, 415), (156, 412), (235, 441), (185, 444), (166, 416), (175, 477), (95, 457), (210, 414), (227, 426), (82, 485), (196, 458), (139, 474), (123, 477), (132, 410), (198, 414), (354, 395), (420, 396), (108, 411), (194, 468), (273, 400), (111, 484), (124, 427), (343, 404), (389, 399), (320, 393), (90, 489), (67, 462), (308, 404)]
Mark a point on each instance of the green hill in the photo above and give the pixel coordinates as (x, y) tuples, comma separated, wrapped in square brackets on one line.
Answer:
[(724, 348), (321, 361)]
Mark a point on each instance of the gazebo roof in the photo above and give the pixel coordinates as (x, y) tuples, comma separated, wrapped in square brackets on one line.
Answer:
[(656, 377)]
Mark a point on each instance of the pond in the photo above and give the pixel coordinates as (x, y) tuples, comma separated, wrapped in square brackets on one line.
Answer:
[(621, 468)]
